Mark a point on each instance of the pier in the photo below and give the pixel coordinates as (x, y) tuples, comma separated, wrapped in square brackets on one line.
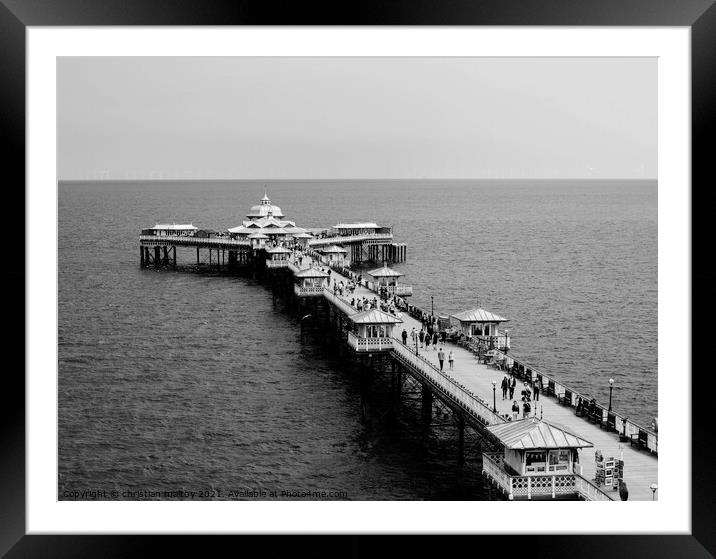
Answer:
[(547, 453)]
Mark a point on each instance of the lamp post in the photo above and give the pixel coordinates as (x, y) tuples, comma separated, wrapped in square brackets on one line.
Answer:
[(494, 396), (506, 334), (611, 387), (653, 488)]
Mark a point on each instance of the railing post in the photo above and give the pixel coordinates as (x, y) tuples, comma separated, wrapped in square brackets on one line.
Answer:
[(553, 487), (529, 488)]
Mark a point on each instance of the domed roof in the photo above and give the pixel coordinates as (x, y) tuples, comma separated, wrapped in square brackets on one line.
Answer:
[(264, 209)]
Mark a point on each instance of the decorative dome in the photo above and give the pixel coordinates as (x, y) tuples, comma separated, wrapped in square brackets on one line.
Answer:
[(265, 209)]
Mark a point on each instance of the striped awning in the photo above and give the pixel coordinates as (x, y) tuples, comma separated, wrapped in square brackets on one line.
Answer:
[(534, 433), (478, 315)]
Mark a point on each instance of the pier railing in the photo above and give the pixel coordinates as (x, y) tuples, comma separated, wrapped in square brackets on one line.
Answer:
[(277, 263), (628, 430), (166, 240), (369, 344), (310, 291), (589, 491), (500, 341), (446, 385), (528, 487), (339, 239), (338, 302)]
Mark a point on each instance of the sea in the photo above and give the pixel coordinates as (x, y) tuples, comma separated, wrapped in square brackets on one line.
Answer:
[(191, 384)]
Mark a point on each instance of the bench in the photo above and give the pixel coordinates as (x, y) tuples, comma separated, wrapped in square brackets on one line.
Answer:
[(565, 398), (550, 387), (611, 422), (639, 439), (595, 416)]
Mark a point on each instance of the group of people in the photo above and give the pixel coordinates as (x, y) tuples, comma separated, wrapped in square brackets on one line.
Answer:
[(508, 386), (425, 341), (364, 304), (341, 288)]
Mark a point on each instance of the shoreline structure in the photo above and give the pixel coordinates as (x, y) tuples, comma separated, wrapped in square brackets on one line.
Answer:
[(536, 457)]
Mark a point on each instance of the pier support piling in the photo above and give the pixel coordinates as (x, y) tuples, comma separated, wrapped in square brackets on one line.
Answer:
[(460, 440), (427, 404)]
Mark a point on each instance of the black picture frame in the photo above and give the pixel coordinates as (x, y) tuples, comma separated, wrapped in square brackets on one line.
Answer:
[(16, 15)]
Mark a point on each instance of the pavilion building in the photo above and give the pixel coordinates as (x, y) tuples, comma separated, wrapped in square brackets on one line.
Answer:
[(171, 229), (372, 331), (386, 279), (483, 325), (266, 219), (336, 256), (310, 282), (278, 257), (348, 229), (540, 460)]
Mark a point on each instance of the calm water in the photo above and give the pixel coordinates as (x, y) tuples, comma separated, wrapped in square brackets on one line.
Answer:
[(171, 380)]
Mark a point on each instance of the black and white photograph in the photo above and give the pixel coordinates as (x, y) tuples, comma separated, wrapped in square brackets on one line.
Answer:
[(357, 279)]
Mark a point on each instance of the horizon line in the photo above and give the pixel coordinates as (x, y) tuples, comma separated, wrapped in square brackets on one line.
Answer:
[(361, 179)]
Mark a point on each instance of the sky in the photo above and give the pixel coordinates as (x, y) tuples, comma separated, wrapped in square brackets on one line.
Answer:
[(356, 118)]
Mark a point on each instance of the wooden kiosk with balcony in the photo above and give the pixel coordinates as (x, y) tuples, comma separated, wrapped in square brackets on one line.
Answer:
[(372, 331), (540, 461), (482, 325), (335, 255), (386, 280), (310, 282), (258, 240), (301, 239), (277, 257)]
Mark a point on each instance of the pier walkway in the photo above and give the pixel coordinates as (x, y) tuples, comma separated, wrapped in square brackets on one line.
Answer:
[(470, 383)]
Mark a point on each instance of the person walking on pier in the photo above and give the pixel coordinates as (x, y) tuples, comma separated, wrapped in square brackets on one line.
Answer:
[(505, 385), (441, 358), (515, 410), (413, 335), (405, 336), (526, 408), (451, 358), (428, 337), (536, 391), (435, 340), (421, 337), (513, 385)]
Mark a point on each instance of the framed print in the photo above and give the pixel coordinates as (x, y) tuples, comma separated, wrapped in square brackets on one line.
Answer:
[(397, 275)]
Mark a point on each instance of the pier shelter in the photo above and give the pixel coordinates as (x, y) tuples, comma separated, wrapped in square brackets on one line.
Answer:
[(302, 239), (258, 240), (310, 282), (372, 331), (277, 257), (387, 279), (172, 229), (483, 325), (349, 229), (336, 255), (205, 234), (540, 460)]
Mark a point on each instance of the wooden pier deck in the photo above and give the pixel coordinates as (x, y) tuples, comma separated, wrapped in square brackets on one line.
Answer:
[(466, 388), (640, 467)]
